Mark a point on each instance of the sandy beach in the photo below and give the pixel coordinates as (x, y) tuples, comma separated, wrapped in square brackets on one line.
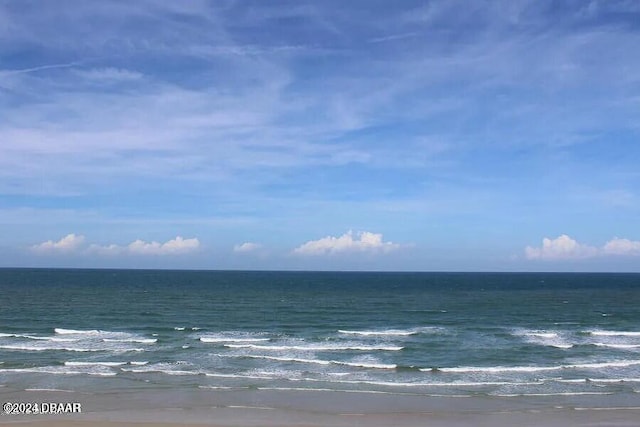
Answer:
[(628, 419), (226, 408), (252, 417)]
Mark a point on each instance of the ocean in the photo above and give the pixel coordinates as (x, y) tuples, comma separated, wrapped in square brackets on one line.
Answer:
[(431, 334)]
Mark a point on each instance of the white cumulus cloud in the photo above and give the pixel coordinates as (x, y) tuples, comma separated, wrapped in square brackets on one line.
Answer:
[(175, 246), (364, 241), (617, 246), (68, 243), (247, 247), (106, 250), (562, 247)]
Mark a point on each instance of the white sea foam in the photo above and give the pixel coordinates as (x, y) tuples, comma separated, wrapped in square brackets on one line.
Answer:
[(173, 368), (79, 341), (106, 336), (543, 334), (315, 347), (38, 337), (543, 337), (500, 369), (288, 359), (367, 365), (179, 328), (370, 365), (395, 393), (617, 346), (612, 364), (78, 347), (495, 369), (46, 348), (332, 390), (615, 380), (177, 372), (390, 332), (567, 393), (597, 380), (57, 339), (559, 345), (219, 339), (252, 377), (316, 389), (63, 331), (232, 337), (437, 384), (162, 371), (71, 363), (219, 387), (569, 381), (102, 371), (137, 340), (603, 333)]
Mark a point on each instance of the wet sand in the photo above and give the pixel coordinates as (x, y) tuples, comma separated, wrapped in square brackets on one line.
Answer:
[(248, 418)]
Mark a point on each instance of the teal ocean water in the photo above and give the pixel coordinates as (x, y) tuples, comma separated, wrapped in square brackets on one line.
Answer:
[(419, 333)]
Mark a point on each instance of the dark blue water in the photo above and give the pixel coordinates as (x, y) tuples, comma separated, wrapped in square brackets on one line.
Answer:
[(426, 333)]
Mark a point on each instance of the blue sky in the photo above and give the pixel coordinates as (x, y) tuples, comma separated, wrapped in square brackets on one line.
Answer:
[(376, 135)]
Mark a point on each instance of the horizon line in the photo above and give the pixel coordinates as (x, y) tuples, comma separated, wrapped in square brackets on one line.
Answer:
[(228, 270)]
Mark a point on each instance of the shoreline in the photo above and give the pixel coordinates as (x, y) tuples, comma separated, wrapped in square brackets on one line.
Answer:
[(271, 408)]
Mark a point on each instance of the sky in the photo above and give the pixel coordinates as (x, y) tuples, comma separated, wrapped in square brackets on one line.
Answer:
[(325, 135)]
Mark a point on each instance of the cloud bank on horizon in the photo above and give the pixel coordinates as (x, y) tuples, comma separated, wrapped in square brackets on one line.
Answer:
[(564, 247), (461, 132), (73, 243)]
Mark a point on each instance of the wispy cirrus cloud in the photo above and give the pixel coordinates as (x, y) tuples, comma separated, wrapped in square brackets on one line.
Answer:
[(109, 75), (264, 118), (9, 72)]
